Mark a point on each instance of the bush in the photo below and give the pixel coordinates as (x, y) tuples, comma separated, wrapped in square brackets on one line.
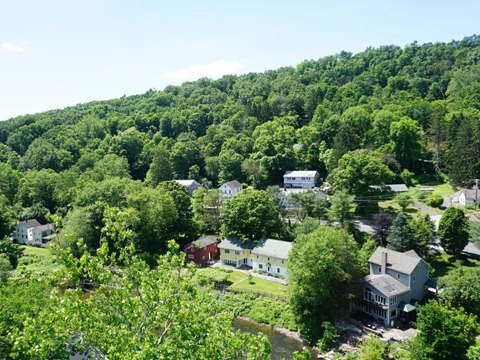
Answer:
[(329, 336), (407, 177), (435, 200), (260, 309), (422, 196)]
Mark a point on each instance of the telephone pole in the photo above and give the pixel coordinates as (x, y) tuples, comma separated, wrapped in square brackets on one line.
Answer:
[(476, 192)]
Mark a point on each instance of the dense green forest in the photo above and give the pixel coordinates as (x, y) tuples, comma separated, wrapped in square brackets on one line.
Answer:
[(100, 172), (382, 115)]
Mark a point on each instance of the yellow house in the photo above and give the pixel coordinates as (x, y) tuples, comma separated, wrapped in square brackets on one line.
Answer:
[(266, 256), (236, 252), (271, 256)]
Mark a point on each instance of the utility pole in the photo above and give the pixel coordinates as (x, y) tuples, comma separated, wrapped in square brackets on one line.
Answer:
[(476, 192)]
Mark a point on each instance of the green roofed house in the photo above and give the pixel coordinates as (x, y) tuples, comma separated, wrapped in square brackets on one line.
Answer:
[(236, 252), (268, 255), (397, 281), (271, 256)]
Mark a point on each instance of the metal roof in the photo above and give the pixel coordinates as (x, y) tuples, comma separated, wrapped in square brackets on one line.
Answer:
[(236, 244), (386, 285), (301, 173), (274, 248), (402, 262), (472, 248)]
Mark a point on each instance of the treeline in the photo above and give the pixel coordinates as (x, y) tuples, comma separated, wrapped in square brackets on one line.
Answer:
[(396, 111)]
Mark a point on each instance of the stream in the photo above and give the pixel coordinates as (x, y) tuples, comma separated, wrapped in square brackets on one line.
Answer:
[(282, 345)]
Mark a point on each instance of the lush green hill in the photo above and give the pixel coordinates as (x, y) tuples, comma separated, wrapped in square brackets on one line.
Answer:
[(415, 108)]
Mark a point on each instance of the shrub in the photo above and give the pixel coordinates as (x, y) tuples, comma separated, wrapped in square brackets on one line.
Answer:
[(329, 336), (407, 177), (435, 200)]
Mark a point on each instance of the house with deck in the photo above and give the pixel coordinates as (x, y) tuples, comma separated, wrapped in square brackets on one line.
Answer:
[(202, 250), (396, 283), (301, 179)]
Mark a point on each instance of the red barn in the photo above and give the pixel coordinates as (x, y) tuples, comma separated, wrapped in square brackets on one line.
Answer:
[(202, 250)]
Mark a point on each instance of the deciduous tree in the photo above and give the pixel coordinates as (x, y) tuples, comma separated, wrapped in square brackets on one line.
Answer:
[(323, 265), (250, 215), (453, 231)]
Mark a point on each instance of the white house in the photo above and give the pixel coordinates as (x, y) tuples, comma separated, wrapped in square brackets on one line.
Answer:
[(271, 256), (301, 179), (231, 188), (20, 235), (31, 232), (463, 198), (190, 185)]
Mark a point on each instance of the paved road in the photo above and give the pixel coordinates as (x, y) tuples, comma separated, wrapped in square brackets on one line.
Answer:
[(424, 208)]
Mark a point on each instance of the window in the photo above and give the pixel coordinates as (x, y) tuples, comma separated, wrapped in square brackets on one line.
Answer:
[(283, 261), (379, 269), (278, 270), (393, 313), (257, 256), (414, 278), (393, 300), (260, 266), (268, 258), (398, 275), (227, 251), (237, 252)]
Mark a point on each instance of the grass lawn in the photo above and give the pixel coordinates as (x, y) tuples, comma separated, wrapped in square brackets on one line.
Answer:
[(262, 285), (32, 250), (391, 206), (235, 276), (443, 189), (442, 264)]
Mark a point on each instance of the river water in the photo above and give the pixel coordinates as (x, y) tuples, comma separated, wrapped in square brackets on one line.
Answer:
[(282, 345)]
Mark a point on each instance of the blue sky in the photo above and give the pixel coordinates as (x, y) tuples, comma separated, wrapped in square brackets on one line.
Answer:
[(57, 53)]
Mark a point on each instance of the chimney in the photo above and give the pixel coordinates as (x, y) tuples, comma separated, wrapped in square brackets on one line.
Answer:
[(384, 262)]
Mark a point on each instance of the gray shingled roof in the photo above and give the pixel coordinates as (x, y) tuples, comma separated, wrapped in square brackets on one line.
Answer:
[(30, 223), (45, 227), (185, 182), (393, 187), (233, 184), (386, 285), (205, 240), (402, 262), (273, 248), (236, 244)]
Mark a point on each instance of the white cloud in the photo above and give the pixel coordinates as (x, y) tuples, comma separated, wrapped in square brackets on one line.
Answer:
[(213, 70), (11, 47)]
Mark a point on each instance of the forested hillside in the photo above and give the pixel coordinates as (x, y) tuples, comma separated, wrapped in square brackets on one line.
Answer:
[(396, 111)]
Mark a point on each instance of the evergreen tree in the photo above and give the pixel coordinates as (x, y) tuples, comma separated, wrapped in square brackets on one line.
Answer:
[(401, 237)]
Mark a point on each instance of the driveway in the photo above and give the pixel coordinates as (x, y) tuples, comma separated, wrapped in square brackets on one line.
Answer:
[(425, 209)]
